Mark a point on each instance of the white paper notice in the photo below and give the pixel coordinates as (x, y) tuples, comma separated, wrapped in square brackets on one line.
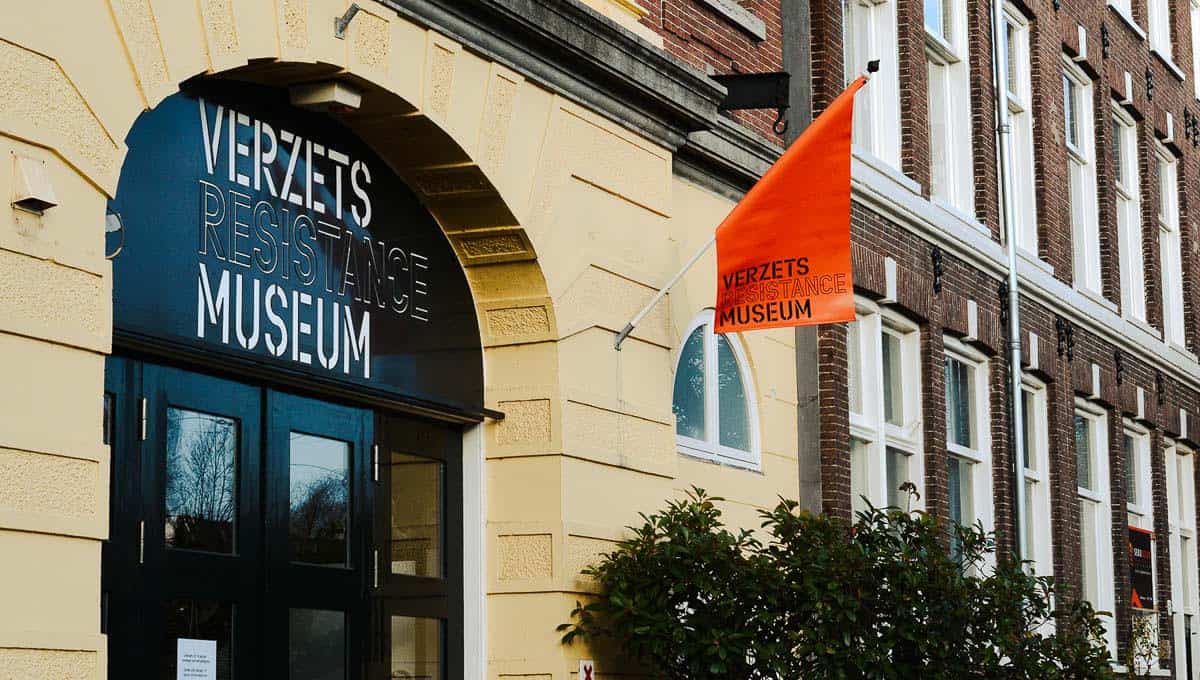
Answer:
[(196, 660)]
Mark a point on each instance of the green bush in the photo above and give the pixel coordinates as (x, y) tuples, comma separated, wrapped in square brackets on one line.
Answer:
[(820, 598)]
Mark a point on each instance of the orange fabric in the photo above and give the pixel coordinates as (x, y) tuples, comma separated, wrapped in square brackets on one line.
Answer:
[(783, 253)]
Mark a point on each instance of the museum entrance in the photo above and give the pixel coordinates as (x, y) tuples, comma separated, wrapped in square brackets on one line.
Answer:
[(296, 356), (260, 534)]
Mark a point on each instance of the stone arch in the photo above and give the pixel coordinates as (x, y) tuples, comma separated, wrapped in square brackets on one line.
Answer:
[(459, 129)]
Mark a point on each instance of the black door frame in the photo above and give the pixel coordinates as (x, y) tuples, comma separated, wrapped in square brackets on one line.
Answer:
[(373, 595)]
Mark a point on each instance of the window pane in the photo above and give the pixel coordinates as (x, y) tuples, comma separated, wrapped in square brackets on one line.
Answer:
[(860, 474), (416, 534), (1070, 114), (935, 16), (1029, 429), (416, 648), (1010, 48), (316, 645), (107, 429), (1118, 145), (1088, 550), (688, 399), (320, 499), (958, 403), (1131, 470), (897, 474), (1028, 539), (1083, 452), (732, 408), (958, 483), (854, 366), (201, 475), (1185, 563), (893, 406), (199, 625)]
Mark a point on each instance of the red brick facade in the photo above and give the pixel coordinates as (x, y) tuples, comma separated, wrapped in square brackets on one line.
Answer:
[(1066, 369), (1071, 344), (696, 34)]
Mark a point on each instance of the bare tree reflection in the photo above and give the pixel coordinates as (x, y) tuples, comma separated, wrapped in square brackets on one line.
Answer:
[(319, 513), (201, 473)]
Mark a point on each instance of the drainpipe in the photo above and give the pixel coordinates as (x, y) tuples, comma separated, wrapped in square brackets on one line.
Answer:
[(1004, 152)]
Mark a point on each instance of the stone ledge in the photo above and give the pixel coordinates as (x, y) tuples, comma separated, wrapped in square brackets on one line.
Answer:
[(574, 50), (739, 16)]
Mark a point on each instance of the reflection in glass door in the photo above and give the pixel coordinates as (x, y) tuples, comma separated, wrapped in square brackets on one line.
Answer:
[(257, 534), (418, 598), (319, 502)]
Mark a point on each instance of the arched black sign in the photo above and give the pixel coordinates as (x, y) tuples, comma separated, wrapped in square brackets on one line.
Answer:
[(267, 234)]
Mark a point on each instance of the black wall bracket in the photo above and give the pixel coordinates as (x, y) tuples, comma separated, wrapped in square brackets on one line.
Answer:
[(757, 91)]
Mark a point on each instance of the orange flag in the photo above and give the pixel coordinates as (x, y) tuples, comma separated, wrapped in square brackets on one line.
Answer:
[(783, 253)]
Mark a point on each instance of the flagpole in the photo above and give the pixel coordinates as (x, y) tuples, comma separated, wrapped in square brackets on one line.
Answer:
[(872, 67), (662, 293)]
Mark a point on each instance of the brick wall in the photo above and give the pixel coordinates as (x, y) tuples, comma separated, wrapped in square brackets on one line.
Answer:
[(1066, 368), (699, 35)]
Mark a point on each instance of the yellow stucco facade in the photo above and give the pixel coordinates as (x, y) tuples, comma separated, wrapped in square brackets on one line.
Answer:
[(565, 222)]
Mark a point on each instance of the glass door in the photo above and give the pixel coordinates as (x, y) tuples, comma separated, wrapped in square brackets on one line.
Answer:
[(318, 536), (417, 597), (258, 534), (199, 535)]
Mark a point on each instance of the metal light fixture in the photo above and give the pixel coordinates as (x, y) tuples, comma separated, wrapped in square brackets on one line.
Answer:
[(114, 225)]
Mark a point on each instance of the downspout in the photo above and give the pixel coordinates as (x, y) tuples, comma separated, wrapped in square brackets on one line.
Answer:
[(1004, 151)]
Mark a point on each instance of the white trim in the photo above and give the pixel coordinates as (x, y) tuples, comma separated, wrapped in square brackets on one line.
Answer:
[(1020, 105), (1038, 506), (869, 425), (1105, 587), (978, 453), (897, 200), (951, 161), (474, 480), (1127, 17), (710, 448), (869, 33), (1130, 232), (1185, 596), (1170, 245), (1083, 195)]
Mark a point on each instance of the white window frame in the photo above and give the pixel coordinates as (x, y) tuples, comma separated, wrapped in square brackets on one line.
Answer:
[(1081, 160), (711, 448), (1141, 511), (1185, 582), (1020, 110), (1140, 514), (979, 453), (870, 425), (1101, 498), (1170, 246), (1194, 18), (870, 34), (952, 181), (1039, 534), (1130, 236), (1158, 27)]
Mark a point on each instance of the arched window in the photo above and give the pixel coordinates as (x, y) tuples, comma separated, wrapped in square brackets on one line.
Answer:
[(715, 415)]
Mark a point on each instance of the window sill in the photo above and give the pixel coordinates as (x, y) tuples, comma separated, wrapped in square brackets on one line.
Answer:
[(1167, 61), (1180, 349), (968, 221), (1097, 298), (717, 459), (739, 16), (1143, 325), (1032, 260), (885, 168), (1128, 21)]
